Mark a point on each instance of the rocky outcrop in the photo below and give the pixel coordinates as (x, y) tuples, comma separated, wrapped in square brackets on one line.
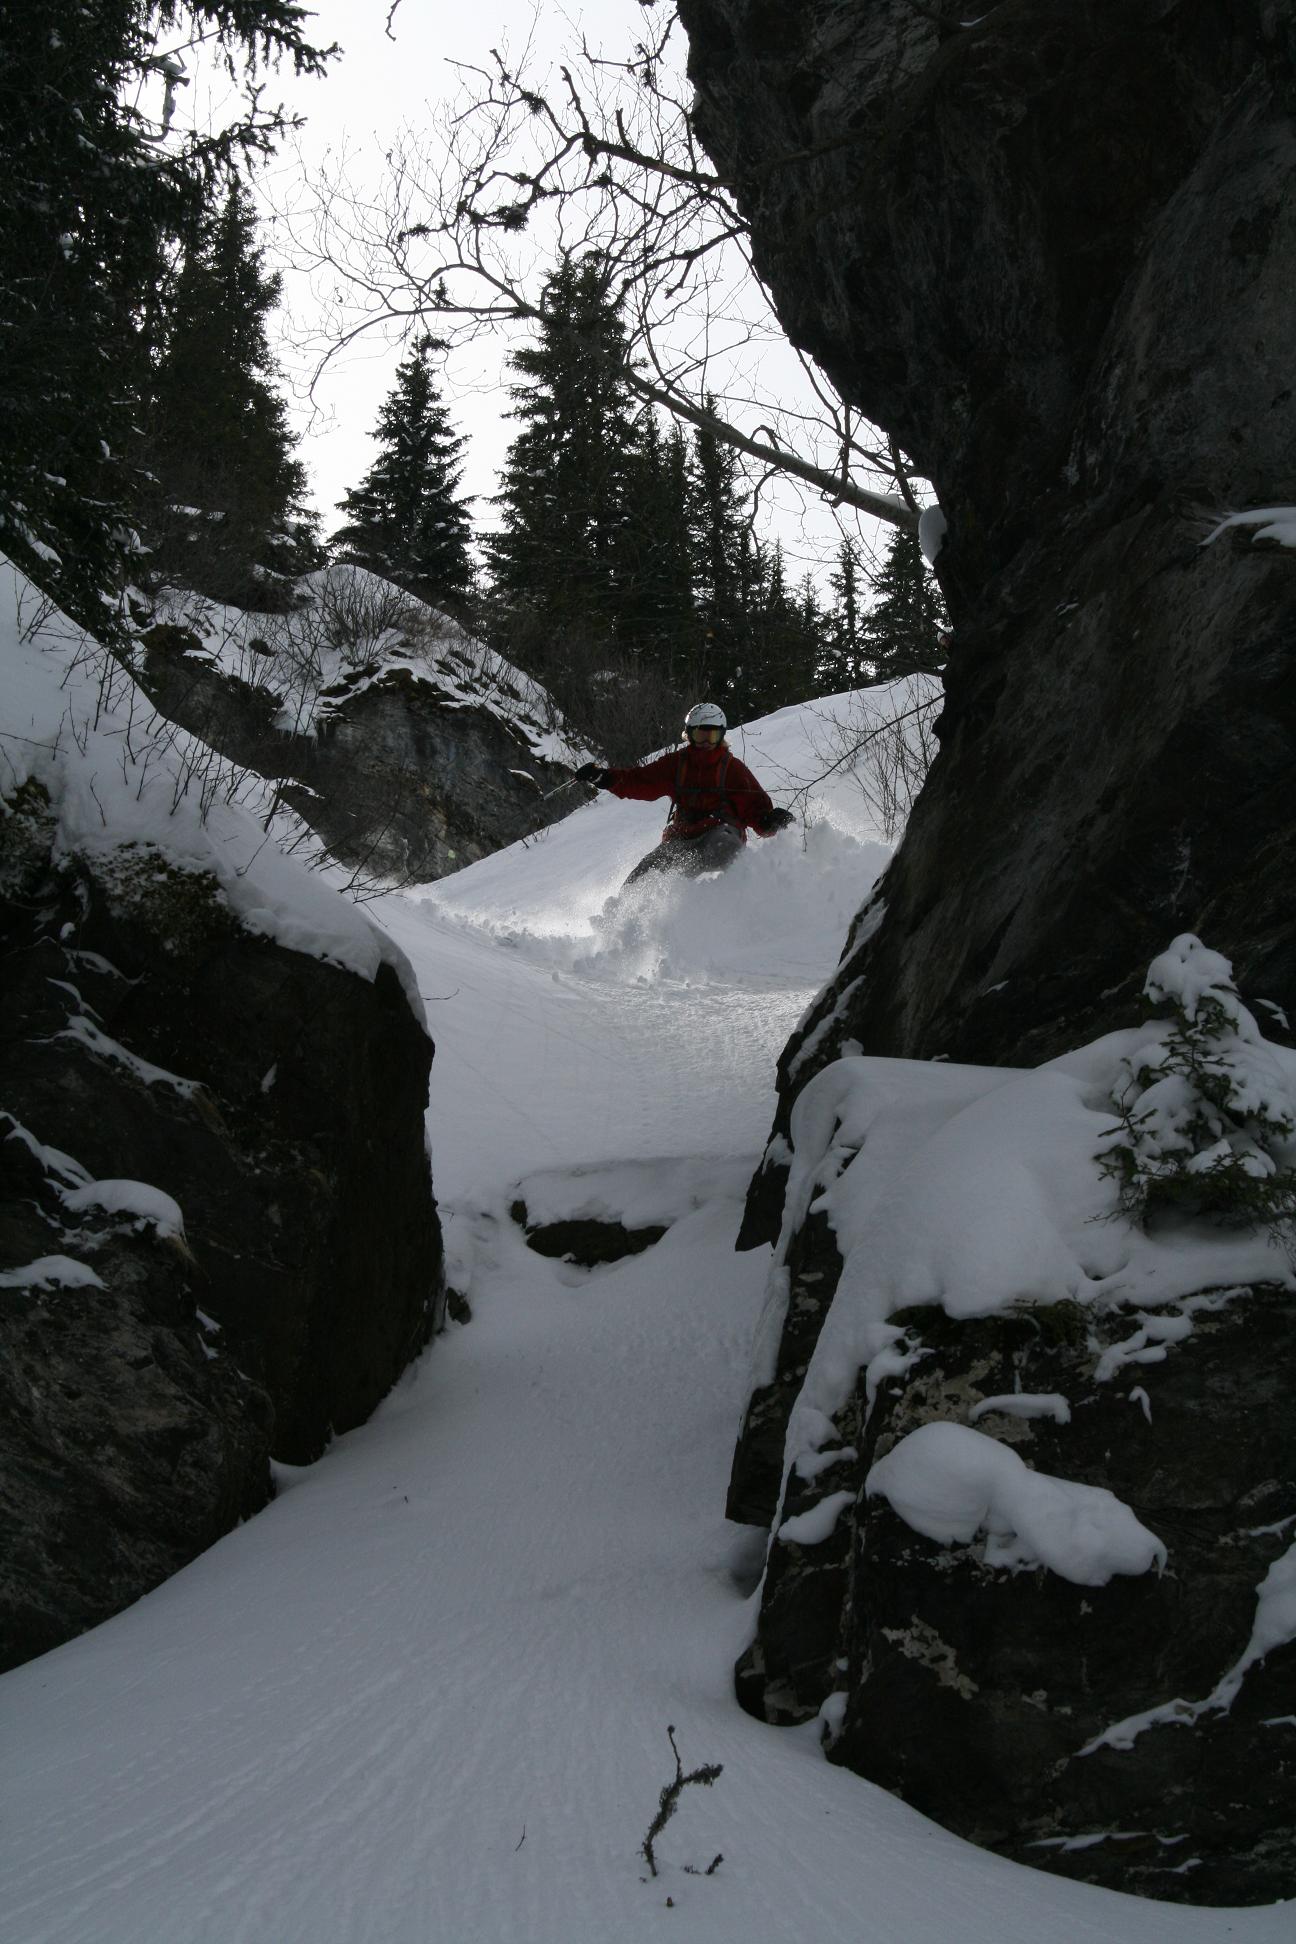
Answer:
[(404, 779), (1050, 248), (602, 1212), (587, 1242), (1051, 251), (220, 1242), (983, 1693), (130, 1439)]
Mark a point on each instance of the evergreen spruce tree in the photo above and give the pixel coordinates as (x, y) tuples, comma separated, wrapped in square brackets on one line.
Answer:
[(781, 641), (811, 634), (901, 633), (405, 519), (843, 664), (655, 615), (726, 568), (564, 551), (811, 617), (763, 643), (227, 515), (93, 198)]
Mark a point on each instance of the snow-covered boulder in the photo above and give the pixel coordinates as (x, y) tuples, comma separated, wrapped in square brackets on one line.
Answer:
[(1022, 1440), (401, 740), (218, 1243)]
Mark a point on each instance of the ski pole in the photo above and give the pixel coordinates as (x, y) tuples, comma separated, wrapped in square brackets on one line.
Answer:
[(544, 794)]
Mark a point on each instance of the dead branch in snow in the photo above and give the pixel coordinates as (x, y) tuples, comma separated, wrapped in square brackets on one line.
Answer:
[(668, 1803)]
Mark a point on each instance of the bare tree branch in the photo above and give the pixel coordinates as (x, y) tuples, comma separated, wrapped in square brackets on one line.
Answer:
[(839, 490), (465, 224)]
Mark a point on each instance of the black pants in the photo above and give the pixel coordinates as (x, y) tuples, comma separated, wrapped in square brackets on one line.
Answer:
[(711, 850)]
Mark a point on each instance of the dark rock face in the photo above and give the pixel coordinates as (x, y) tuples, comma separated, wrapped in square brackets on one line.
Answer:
[(600, 1213), (586, 1239), (973, 1691), (813, 1266), (1051, 250), (131, 1441), (149, 1039), (402, 780)]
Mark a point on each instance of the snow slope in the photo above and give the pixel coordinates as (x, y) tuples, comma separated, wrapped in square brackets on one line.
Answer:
[(424, 1697), (75, 725)]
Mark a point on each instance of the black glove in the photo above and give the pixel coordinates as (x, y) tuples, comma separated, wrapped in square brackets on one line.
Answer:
[(777, 820), (590, 773)]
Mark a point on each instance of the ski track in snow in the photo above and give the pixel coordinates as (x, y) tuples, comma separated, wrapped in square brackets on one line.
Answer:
[(423, 1698)]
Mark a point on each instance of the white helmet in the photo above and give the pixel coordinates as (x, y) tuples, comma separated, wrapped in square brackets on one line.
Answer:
[(705, 715)]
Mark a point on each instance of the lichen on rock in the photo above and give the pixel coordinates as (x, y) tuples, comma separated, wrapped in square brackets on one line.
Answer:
[(185, 910)]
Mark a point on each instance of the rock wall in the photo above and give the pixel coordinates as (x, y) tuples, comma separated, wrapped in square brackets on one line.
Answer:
[(1050, 248), (982, 1694), (1052, 252), (402, 780), (152, 1048)]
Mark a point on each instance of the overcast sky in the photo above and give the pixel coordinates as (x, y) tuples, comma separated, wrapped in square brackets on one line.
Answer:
[(383, 80), (390, 75)]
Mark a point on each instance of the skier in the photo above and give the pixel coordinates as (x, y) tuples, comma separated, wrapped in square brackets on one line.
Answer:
[(715, 799)]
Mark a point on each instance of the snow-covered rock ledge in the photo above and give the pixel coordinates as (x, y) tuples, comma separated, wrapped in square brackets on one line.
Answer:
[(217, 1229), (1021, 1432), (403, 741)]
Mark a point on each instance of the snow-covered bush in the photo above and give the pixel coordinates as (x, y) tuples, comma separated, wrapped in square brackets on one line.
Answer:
[(1207, 1112), (355, 616)]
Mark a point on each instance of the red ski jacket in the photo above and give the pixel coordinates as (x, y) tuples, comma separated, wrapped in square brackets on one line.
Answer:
[(706, 787)]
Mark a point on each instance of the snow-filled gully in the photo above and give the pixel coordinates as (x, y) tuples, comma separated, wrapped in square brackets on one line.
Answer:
[(424, 1697)]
